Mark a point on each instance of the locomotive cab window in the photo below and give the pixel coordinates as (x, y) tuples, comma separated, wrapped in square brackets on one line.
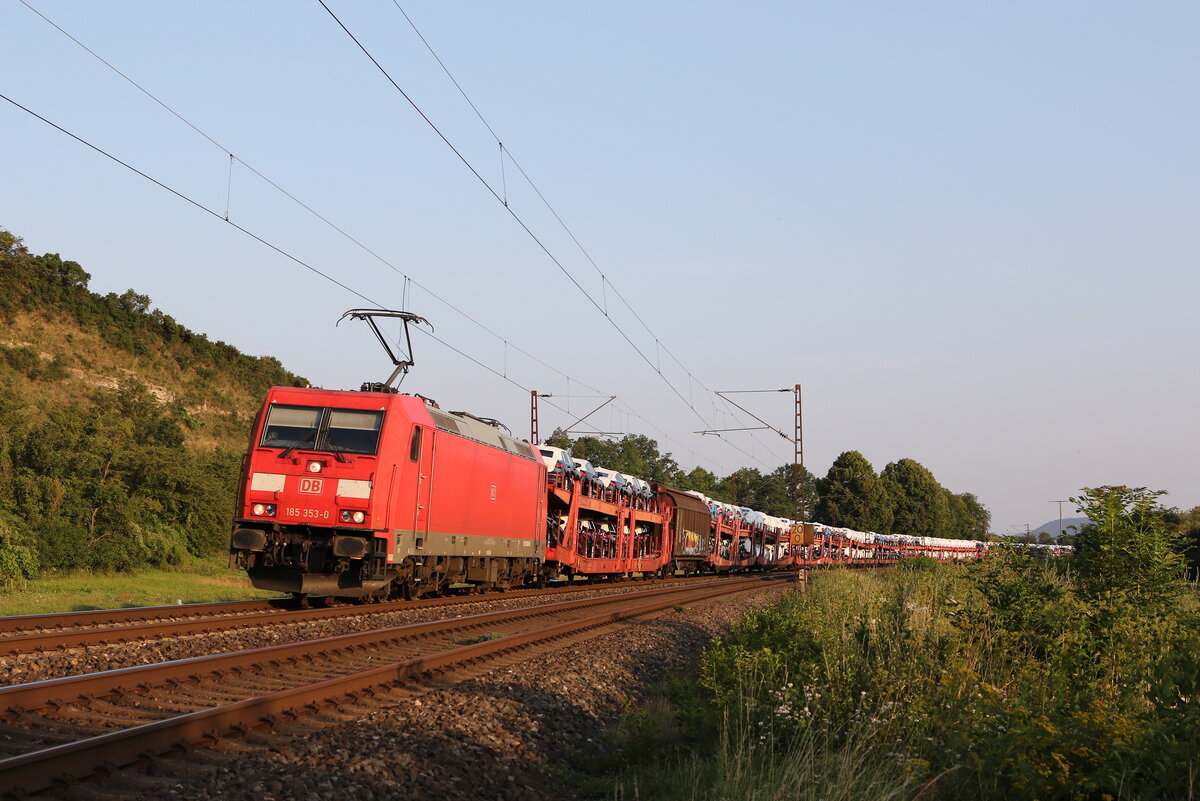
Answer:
[(353, 431), (292, 427), (314, 428)]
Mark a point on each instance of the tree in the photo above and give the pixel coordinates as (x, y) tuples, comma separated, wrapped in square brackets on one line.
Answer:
[(920, 507), (599, 452), (806, 483), (969, 519), (852, 496), (703, 481), (133, 303), (11, 244), (635, 454), (979, 519), (1187, 524), (18, 557), (559, 439), (958, 519), (640, 456), (1128, 549)]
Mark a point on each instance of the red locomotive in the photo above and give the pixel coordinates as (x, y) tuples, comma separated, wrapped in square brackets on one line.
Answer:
[(372, 494), (375, 494)]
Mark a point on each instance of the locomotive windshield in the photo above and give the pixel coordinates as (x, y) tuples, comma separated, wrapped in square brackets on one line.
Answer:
[(316, 428)]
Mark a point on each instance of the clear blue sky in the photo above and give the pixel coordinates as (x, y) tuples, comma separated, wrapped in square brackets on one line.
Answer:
[(969, 230)]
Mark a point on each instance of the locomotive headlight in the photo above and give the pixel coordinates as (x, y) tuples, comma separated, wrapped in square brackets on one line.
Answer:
[(352, 517), (259, 509), (314, 467), (270, 510), (359, 517)]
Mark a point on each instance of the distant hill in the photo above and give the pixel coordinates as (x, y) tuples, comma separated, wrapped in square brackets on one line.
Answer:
[(1051, 527), (121, 431)]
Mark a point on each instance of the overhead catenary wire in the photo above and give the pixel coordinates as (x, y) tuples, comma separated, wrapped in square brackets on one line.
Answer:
[(233, 157), (213, 212), (524, 226), (291, 257), (276, 185), (605, 282), (408, 279)]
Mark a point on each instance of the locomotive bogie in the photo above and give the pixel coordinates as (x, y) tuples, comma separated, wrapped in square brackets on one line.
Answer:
[(312, 561)]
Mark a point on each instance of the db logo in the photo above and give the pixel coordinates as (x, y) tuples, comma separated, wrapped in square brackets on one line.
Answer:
[(312, 486)]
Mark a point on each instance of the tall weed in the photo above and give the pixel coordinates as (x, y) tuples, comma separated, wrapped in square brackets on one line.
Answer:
[(1015, 678)]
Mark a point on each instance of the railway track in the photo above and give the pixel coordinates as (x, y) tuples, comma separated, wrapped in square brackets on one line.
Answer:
[(62, 729), (31, 633), (52, 621)]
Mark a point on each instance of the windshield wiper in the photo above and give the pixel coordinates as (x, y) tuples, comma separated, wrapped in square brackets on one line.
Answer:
[(309, 437)]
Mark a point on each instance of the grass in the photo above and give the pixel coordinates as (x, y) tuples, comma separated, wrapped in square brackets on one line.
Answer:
[(1005, 681), (680, 746), (479, 639), (203, 580)]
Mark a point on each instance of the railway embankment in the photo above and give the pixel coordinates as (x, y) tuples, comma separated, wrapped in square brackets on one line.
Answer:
[(509, 733), (443, 708)]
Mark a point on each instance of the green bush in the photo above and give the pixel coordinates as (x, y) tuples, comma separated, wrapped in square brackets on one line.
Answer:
[(23, 359), (112, 485), (18, 557), (1015, 678), (107, 481), (17, 562)]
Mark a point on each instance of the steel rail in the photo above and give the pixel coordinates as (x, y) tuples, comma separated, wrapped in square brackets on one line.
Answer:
[(36, 695), (39, 770), (208, 618), (135, 614)]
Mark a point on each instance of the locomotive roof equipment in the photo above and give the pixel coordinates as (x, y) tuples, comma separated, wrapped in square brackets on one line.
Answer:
[(401, 365)]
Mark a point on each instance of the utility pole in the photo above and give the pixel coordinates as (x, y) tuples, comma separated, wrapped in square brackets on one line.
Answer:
[(533, 415), (1060, 528), (799, 482), (533, 419), (799, 510)]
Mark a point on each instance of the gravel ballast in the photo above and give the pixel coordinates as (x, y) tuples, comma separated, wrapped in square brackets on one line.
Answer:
[(52, 664), (493, 736)]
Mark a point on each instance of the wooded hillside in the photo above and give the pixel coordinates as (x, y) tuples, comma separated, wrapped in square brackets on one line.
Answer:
[(121, 431), (121, 434)]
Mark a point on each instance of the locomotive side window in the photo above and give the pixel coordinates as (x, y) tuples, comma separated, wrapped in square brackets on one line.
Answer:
[(352, 431), (291, 427), (414, 451)]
